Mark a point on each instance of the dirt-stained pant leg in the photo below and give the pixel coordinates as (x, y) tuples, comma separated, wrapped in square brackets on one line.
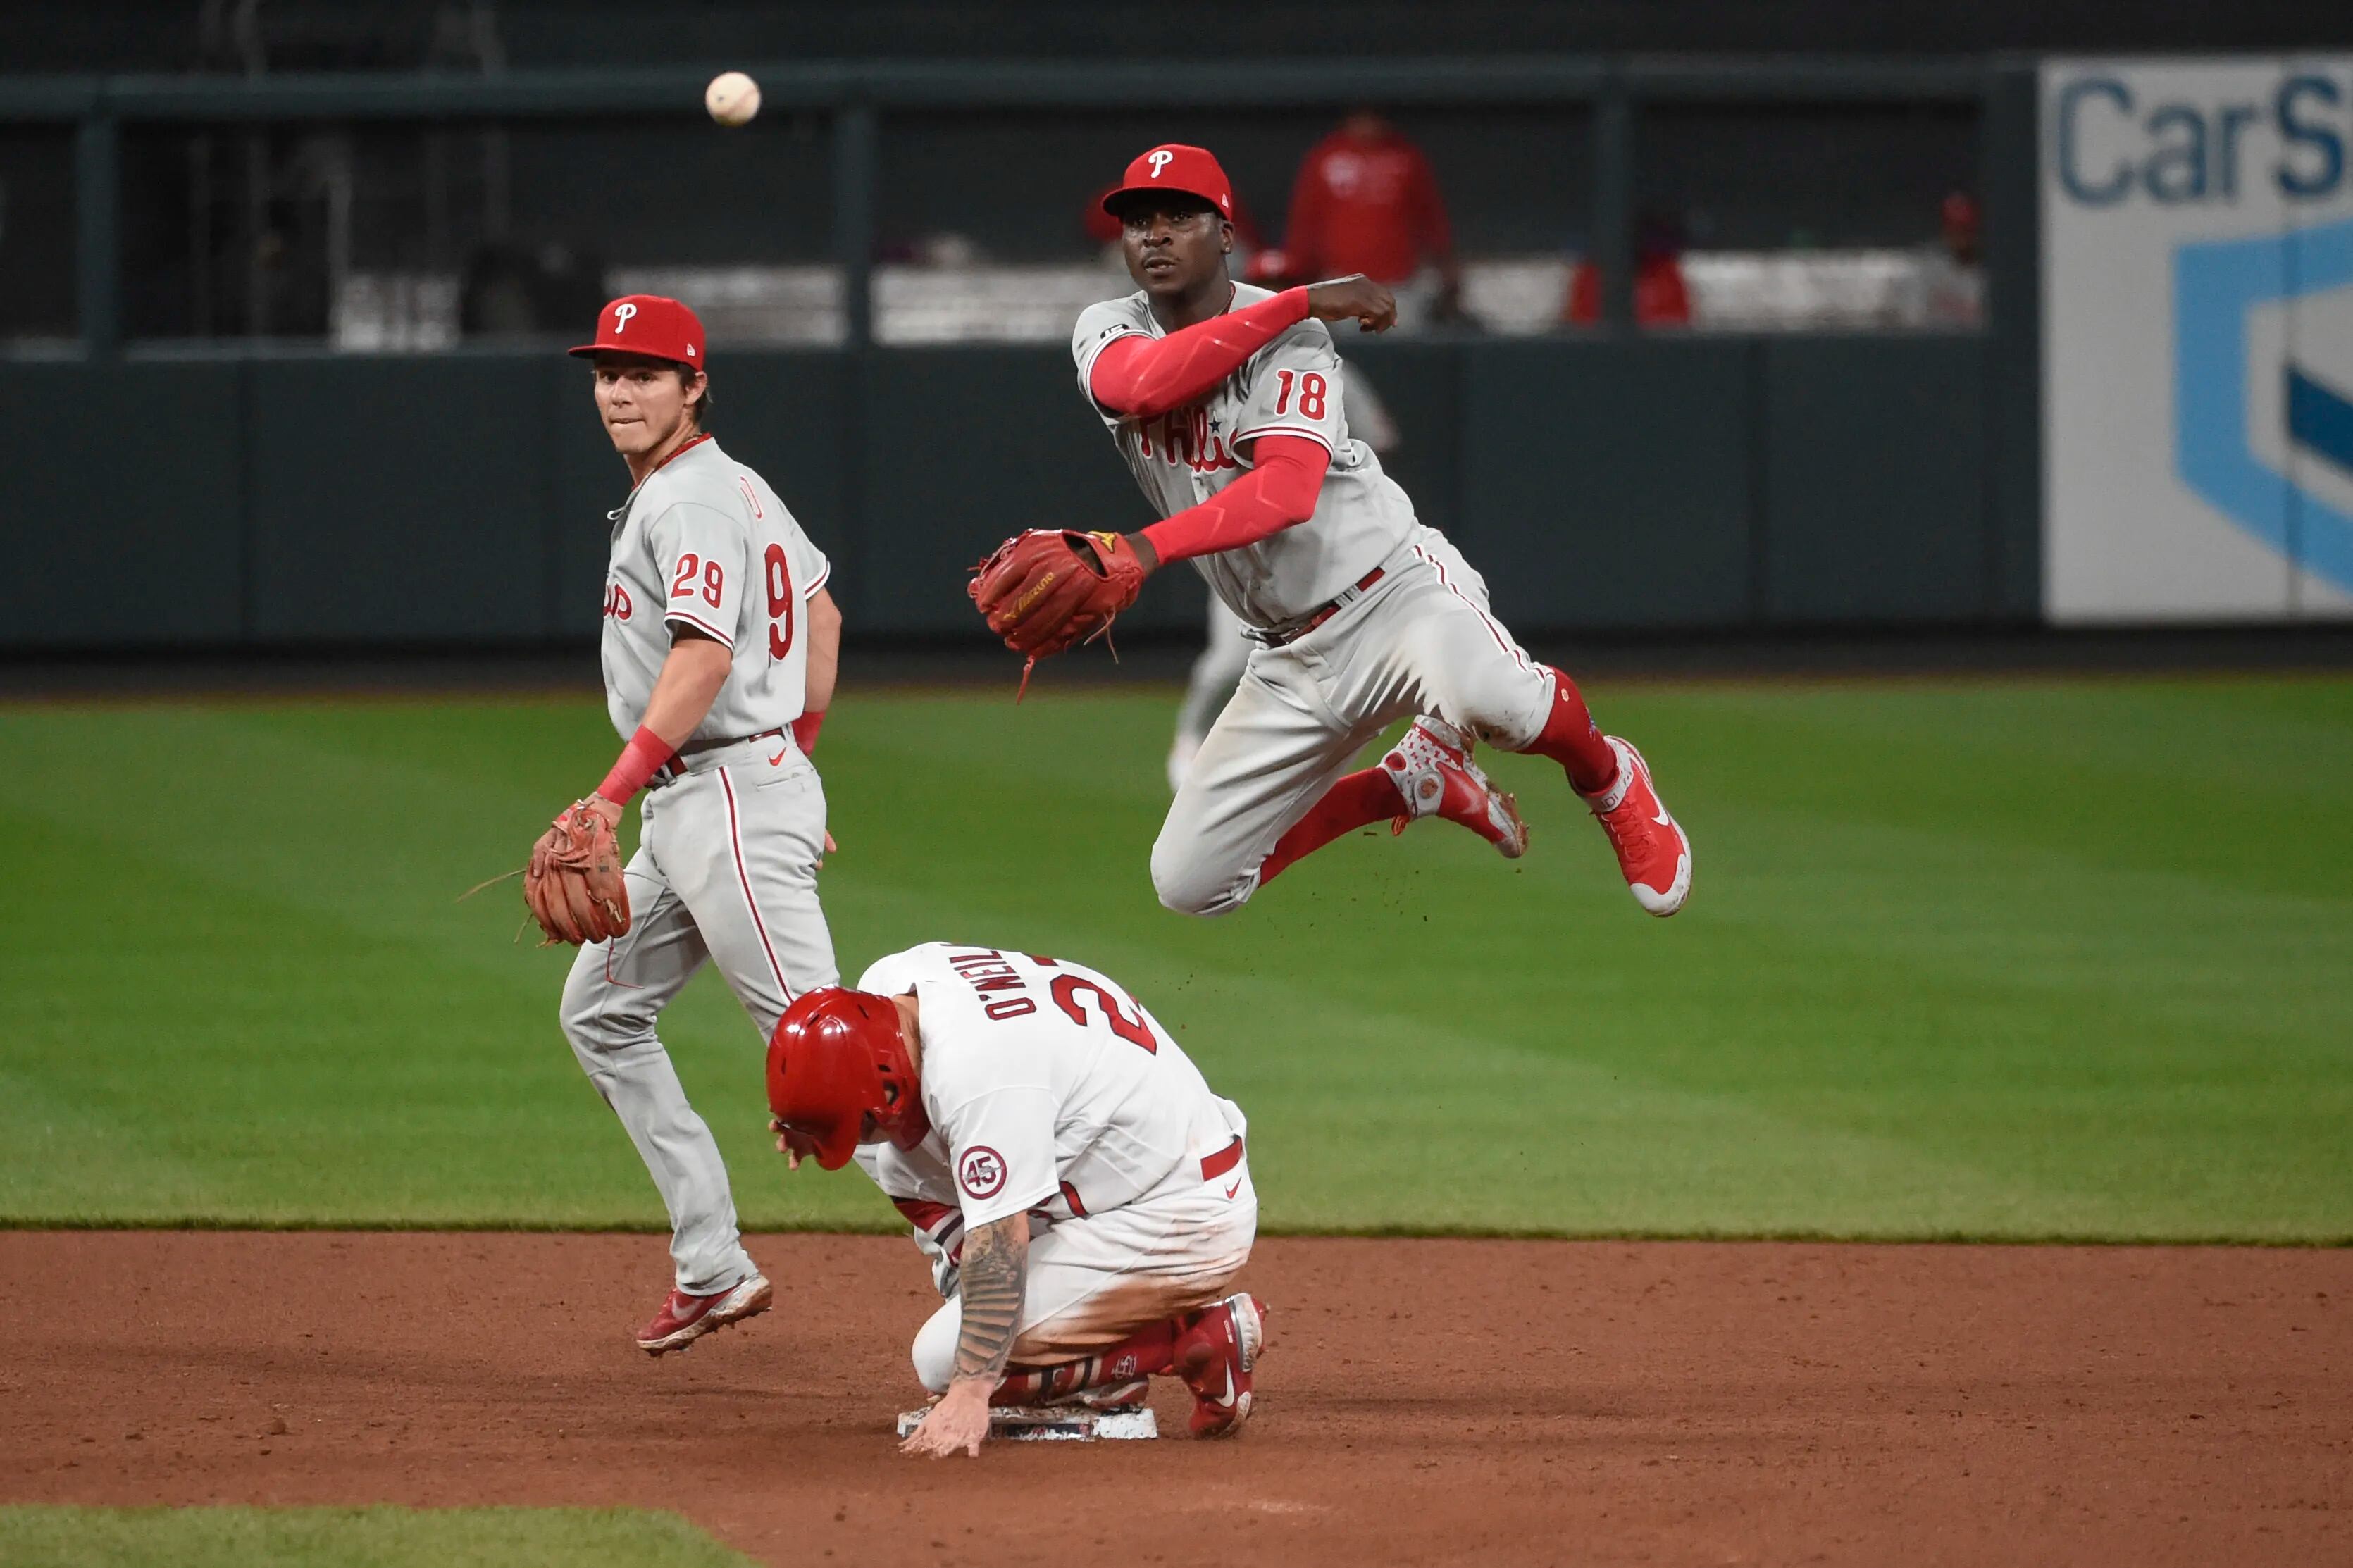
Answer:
[(1095, 1281), (611, 1001)]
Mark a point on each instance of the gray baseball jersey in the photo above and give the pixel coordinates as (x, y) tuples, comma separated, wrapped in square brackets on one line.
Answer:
[(705, 542), (1292, 386)]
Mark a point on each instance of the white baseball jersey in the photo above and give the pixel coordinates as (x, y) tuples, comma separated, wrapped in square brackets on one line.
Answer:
[(705, 542), (1181, 458), (1050, 1088)]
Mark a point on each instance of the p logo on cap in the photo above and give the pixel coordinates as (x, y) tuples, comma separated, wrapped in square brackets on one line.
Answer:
[(649, 325), (1176, 167)]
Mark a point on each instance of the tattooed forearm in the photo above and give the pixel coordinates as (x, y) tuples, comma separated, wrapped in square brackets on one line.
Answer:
[(995, 1278)]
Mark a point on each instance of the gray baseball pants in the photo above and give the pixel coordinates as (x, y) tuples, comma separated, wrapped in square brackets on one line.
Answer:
[(1420, 640), (726, 870)]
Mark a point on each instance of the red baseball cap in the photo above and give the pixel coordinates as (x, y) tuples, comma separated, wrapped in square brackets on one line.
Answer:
[(649, 325), (1173, 166)]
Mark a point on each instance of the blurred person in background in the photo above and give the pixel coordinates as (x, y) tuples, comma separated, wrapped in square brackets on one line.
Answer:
[(1225, 650), (1660, 296), (517, 290), (1367, 201), (1947, 287)]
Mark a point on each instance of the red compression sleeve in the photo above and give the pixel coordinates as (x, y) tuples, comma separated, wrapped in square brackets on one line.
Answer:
[(1146, 376), (1286, 475), (639, 758), (804, 729)]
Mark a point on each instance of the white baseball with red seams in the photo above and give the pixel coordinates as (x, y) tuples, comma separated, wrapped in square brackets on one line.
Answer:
[(730, 838), (1053, 1091)]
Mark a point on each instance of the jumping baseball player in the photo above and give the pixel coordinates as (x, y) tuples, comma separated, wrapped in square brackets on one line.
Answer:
[(1227, 402), (720, 647), (1082, 1195)]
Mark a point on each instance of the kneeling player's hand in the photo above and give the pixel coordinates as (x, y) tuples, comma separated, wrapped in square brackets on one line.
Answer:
[(1371, 305), (792, 1145), (960, 1420)]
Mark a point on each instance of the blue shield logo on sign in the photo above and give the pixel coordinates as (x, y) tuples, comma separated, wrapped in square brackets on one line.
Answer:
[(2215, 285)]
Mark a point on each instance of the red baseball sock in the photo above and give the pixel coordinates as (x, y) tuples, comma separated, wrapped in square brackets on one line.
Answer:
[(1149, 1352), (1362, 798), (1572, 738)]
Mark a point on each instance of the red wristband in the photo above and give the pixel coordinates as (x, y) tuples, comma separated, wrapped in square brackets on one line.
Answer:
[(804, 729), (645, 753)]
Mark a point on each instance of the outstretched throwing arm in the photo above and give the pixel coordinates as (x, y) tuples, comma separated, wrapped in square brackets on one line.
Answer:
[(1142, 376)]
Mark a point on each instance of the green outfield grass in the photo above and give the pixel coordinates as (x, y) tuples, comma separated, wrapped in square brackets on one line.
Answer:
[(50, 1536), (2008, 959)]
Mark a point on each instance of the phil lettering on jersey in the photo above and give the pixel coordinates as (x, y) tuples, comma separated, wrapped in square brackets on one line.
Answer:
[(988, 971), (1189, 437)]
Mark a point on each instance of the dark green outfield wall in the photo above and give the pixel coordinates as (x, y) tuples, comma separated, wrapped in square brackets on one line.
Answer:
[(1601, 485)]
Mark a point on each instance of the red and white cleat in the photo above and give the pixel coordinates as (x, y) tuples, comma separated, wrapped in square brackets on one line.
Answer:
[(1652, 852), (1435, 776), (684, 1319), (1215, 1356)]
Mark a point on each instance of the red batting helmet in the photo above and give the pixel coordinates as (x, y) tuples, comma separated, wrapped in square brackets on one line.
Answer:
[(836, 1058), (649, 325), (1173, 166)]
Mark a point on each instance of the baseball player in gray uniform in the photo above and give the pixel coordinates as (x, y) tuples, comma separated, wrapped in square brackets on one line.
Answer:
[(1227, 402), (720, 647)]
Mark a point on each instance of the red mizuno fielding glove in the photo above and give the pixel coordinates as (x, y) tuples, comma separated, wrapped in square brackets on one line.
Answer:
[(1049, 588)]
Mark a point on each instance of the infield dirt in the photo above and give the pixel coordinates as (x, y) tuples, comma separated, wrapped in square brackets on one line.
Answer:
[(1423, 1401)]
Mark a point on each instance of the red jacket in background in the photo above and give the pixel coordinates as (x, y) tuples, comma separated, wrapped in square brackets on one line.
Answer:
[(1368, 205), (1660, 298)]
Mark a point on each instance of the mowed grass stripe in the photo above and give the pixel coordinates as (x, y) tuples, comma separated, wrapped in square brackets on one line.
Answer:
[(50, 1536), (1904, 1002)]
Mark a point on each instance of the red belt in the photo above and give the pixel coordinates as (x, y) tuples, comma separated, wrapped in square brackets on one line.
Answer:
[(1276, 639), (1212, 1167)]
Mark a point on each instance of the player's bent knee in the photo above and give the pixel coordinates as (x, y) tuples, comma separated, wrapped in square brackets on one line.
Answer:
[(1191, 890), (594, 1021), (934, 1353), (1504, 706)]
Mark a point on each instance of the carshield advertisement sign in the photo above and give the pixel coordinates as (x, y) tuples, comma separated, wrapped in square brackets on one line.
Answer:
[(2198, 339)]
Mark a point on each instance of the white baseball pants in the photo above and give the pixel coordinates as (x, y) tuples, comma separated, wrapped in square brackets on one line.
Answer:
[(1095, 1281), (726, 870), (1420, 641)]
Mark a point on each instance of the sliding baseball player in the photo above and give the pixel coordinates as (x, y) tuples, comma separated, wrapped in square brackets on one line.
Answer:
[(1083, 1197)]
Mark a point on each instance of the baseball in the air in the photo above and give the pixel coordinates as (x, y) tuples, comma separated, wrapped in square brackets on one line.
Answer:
[(733, 98)]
